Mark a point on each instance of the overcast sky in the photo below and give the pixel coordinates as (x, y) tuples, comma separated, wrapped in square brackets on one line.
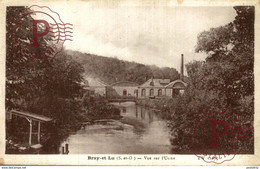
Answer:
[(150, 35)]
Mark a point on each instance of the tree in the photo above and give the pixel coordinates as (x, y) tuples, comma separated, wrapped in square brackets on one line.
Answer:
[(21, 74), (230, 52), (48, 87), (225, 79)]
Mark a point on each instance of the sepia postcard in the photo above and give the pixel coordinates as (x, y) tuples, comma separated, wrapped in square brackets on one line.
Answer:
[(127, 82)]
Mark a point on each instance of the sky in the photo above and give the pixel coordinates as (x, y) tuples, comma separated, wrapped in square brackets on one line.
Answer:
[(154, 35)]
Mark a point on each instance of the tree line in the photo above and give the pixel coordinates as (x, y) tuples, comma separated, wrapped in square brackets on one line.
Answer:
[(111, 70)]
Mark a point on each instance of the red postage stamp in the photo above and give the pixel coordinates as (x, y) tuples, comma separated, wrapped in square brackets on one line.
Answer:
[(217, 136), (47, 33)]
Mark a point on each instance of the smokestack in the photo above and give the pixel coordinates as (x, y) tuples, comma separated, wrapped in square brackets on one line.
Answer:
[(181, 75)]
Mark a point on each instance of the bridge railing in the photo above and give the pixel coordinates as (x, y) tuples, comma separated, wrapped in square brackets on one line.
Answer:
[(122, 97)]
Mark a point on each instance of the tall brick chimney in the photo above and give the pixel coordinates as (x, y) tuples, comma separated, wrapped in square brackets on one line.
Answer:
[(181, 75)]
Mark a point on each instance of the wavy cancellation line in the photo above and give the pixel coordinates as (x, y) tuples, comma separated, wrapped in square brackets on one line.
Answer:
[(60, 28), (61, 24), (60, 39), (60, 36), (61, 32)]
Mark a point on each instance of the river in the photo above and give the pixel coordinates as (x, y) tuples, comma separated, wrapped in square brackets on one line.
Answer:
[(139, 131)]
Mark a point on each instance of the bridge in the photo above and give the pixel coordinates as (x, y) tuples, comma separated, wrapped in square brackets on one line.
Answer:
[(122, 99)]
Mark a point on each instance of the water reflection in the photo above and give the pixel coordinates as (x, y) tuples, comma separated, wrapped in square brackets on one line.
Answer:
[(140, 131)]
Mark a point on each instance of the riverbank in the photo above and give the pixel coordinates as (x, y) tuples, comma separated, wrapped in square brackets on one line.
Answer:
[(167, 109), (161, 105), (137, 132), (180, 113), (88, 111)]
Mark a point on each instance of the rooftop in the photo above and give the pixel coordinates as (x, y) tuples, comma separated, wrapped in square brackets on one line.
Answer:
[(94, 82), (156, 83), (125, 83), (31, 115)]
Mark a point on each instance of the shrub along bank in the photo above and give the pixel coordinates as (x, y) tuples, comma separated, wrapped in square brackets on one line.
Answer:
[(224, 82)]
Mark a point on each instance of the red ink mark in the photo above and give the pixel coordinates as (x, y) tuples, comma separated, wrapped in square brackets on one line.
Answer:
[(32, 48), (214, 131), (216, 137), (35, 31)]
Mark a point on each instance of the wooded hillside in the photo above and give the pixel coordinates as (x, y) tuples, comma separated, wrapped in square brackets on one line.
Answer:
[(112, 70)]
